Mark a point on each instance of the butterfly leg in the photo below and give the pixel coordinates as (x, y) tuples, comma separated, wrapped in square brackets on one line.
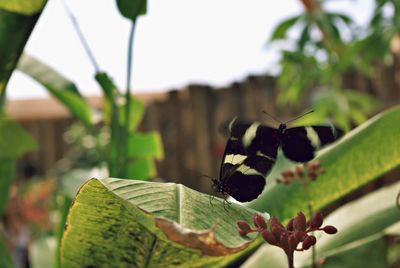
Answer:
[(226, 204)]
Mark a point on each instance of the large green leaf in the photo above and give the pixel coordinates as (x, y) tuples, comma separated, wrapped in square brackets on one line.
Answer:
[(132, 9), (361, 228), (15, 30), (62, 89), (128, 223), (22, 6), (361, 156)]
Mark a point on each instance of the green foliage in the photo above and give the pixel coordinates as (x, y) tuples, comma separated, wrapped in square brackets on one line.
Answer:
[(62, 89), (23, 7), (316, 64), (361, 156), (146, 145), (15, 29), (14, 142), (14, 139), (5, 258), (132, 9), (119, 223)]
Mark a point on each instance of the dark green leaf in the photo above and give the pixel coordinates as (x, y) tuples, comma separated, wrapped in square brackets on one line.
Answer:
[(132, 9), (15, 30), (58, 86), (139, 224), (281, 30), (7, 175)]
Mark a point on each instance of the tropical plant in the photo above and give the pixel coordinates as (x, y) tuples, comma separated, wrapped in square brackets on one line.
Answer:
[(154, 223), (327, 46)]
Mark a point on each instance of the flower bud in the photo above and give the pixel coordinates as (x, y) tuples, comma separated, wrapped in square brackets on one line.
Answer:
[(299, 235), (277, 231), (243, 225), (329, 229), (316, 221), (309, 241), (243, 232), (299, 222), (289, 226), (288, 174), (284, 241), (259, 221), (293, 241), (299, 170), (269, 237)]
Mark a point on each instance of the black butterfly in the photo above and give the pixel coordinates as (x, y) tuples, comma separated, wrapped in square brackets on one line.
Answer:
[(251, 152)]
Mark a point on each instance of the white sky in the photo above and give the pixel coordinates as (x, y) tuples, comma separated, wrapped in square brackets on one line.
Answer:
[(178, 42)]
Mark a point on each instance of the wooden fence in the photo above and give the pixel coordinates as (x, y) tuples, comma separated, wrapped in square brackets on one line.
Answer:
[(191, 123)]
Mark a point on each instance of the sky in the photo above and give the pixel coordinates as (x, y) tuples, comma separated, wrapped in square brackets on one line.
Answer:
[(177, 42)]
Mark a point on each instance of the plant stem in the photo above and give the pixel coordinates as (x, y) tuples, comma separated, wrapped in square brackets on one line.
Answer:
[(128, 94), (81, 36), (311, 212)]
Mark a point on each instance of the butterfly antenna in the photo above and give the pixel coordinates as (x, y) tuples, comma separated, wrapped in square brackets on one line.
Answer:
[(272, 117), (291, 120)]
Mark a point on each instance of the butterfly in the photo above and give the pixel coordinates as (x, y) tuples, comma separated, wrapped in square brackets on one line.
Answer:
[(251, 152)]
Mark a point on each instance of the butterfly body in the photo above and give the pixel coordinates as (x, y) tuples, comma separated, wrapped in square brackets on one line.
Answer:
[(251, 152)]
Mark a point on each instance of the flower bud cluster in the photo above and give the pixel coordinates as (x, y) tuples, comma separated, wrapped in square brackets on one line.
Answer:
[(309, 171), (288, 238)]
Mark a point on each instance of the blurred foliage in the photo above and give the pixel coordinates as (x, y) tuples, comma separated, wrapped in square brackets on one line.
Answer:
[(320, 47)]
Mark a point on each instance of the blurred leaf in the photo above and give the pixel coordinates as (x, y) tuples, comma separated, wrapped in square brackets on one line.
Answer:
[(7, 175), (15, 30), (136, 113), (62, 89), (358, 158), (139, 224), (15, 141), (147, 145), (141, 169), (107, 85), (5, 258), (22, 6), (280, 31), (41, 252), (132, 9)]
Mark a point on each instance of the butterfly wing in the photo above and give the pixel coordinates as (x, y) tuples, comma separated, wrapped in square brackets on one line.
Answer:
[(256, 138), (234, 155), (247, 181), (300, 143)]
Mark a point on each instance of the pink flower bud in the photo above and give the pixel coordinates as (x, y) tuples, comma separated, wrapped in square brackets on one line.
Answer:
[(289, 226)]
